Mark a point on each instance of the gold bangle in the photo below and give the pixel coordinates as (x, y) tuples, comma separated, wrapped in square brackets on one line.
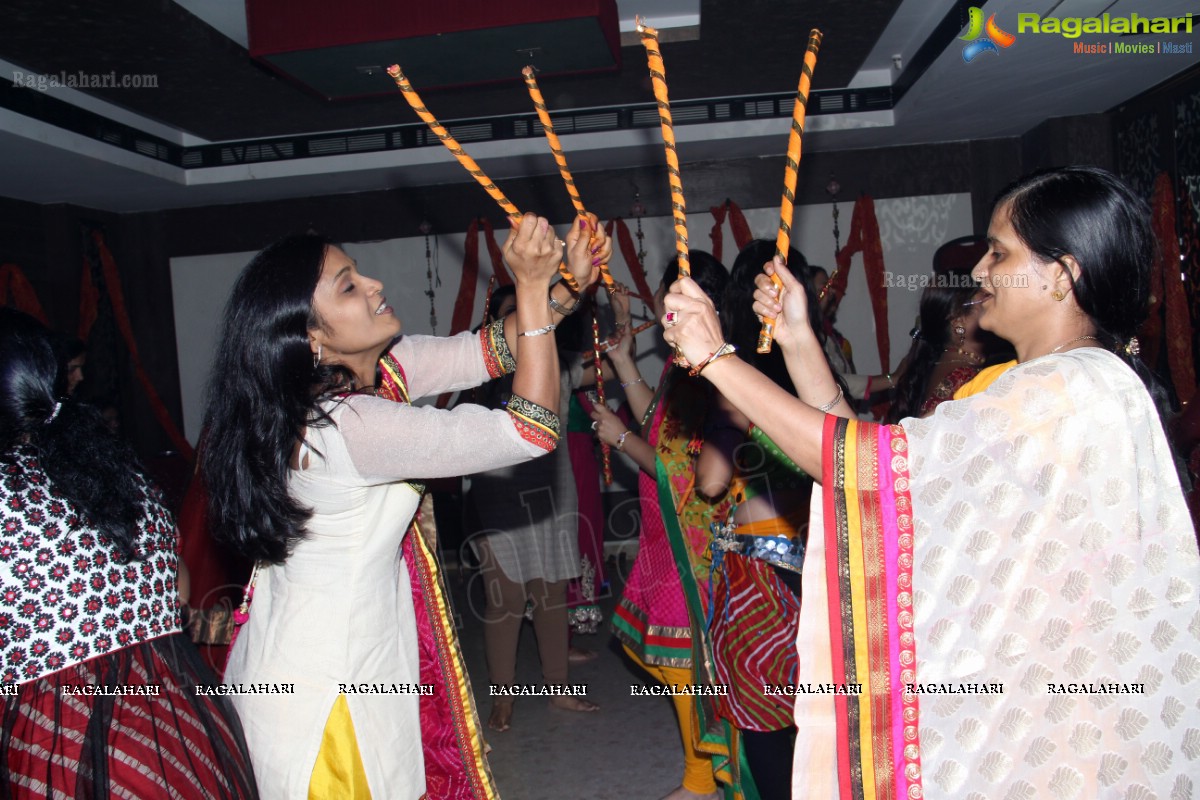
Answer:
[(723, 351)]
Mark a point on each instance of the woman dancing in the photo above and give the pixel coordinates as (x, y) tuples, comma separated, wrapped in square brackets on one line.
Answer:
[(311, 458), (1000, 594)]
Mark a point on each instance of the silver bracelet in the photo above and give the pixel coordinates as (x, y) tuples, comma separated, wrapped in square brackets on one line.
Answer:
[(631, 383), (559, 307), (539, 331), (825, 408), (621, 441)]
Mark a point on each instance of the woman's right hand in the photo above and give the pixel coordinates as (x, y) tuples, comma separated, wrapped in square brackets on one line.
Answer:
[(533, 251), (787, 306)]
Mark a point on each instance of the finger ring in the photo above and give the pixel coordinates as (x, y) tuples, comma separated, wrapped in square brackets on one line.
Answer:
[(560, 243), (595, 424), (670, 318)]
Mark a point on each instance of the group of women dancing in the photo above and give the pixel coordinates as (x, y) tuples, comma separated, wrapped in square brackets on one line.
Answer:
[(992, 595)]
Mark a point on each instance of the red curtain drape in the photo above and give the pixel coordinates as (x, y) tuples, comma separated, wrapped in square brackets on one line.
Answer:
[(17, 291)]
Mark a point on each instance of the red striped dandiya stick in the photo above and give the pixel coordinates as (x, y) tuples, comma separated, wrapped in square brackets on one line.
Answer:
[(605, 450), (658, 78), (414, 100), (787, 206), (560, 158)]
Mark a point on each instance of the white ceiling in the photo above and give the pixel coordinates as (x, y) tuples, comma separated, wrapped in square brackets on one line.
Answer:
[(997, 95)]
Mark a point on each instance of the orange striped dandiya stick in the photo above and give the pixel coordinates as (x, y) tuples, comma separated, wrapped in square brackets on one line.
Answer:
[(560, 158), (658, 77), (414, 100), (787, 206)]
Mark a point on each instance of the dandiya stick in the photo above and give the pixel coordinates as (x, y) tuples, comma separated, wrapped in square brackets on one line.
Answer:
[(767, 335), (560, 158), (645, 326), (605, 450), (414, 100), (658, 77), (610, 345)]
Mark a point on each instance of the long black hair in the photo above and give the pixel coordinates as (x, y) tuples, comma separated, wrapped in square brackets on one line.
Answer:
[(263, 392), (741, 325), (1088, 214), (90, 467), (940, 303), (709, 273)]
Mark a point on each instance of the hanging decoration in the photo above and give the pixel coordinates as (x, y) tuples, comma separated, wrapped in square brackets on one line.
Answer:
[(112, 282), (737, 224), (1167, 293), (864, 237), (432, 273), (620, 231), (15, 289), (638, 210), (832, 188)]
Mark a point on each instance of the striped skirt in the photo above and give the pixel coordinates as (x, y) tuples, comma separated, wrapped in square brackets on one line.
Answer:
[(753, 632), (60, 739)]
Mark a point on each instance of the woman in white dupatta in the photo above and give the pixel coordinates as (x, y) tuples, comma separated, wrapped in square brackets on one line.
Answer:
[(999, 600)]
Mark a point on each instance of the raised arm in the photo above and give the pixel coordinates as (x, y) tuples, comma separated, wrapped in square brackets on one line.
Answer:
[(794, 424), (533, 253), (612, 431), (624, 358), (802, 352)]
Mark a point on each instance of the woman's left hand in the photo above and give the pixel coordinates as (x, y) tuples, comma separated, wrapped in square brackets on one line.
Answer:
[(607, 425), (588, 246), (691, 323)]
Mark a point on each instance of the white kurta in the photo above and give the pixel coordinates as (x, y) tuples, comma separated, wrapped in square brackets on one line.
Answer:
[(1054, 555), (340, 610)]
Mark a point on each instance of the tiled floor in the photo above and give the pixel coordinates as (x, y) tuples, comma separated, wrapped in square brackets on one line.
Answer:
[(628, 750)]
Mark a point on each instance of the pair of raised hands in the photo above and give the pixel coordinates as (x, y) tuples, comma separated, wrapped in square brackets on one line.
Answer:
[(692, 327), (533, 250)]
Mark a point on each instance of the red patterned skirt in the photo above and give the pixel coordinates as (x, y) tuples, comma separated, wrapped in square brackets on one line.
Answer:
[(62, 739)]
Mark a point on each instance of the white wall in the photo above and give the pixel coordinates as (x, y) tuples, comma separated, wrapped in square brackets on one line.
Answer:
[(911, 229)]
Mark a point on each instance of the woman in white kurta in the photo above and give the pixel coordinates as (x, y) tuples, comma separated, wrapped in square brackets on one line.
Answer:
[(999, 600), (311, 455)]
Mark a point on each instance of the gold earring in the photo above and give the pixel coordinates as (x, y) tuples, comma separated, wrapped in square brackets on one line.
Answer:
[(1058, 294)]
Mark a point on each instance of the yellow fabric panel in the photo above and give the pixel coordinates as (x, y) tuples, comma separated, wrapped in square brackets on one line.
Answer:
[(339, 770), (983, 379), (859, 605)]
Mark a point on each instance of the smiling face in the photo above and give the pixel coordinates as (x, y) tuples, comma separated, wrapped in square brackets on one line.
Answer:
[(1016, 286), (355, 321)]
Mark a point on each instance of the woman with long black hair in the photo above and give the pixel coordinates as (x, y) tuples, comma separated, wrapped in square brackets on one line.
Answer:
[(312, 459), (104, 697), (948, 347)]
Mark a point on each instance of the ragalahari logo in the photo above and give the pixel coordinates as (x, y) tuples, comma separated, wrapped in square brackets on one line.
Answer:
[(991, 42)]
